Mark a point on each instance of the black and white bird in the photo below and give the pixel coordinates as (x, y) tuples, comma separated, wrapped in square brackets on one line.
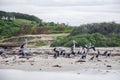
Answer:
[(62, 53), (73, 50), (84, 55), (89, 47), (57, 53), (23, 49), (25, 52), (95, 56), (107, 53)]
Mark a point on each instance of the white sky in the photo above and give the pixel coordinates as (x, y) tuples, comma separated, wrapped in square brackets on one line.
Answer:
[(72, 12)]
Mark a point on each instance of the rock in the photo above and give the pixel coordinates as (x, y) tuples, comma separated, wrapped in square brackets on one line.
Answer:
[(108, 66), (6, 61), (31, 64), (106, 61), (104, 64), (25, 57), (99, 60), (28, 58), (22, 61), (31, 61), (78, 73), (80, 61), (57, 66)]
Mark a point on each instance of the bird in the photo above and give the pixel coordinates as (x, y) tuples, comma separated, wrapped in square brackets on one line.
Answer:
[(89, 47), (68, 54), (72, 50), (92, 58), (79, 52), (22, 46), (1, 51), (62, 53), (107, 53), (84, 55), (23, 49), (73, 47), (56, 54), (14, 58), (98, 53), (25, 52)]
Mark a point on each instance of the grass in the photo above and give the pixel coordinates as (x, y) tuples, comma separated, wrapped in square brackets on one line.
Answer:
[(62, 31), (40, 43), (22, 21), (25, 22)]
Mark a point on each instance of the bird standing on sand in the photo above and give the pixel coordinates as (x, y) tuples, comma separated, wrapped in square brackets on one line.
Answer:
[(98, 53), (23, 49), (57, 52), (73, 47), (84, 54), (107, 53), (1, 51), (14, 58)]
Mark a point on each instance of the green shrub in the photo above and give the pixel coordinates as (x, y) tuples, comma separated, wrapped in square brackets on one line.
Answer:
[(98, 34), (40, 43)]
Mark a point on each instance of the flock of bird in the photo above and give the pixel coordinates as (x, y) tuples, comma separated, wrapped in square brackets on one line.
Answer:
[(24, 51), (65, 53), (83, 52)]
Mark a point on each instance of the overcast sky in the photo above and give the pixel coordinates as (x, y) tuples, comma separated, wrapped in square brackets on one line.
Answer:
[(72, 12)]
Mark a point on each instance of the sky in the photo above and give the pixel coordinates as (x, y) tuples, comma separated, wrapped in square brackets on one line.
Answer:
[(72, 12)]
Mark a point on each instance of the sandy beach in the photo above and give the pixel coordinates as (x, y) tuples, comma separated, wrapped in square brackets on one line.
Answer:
[(47, 63), (62, 68)]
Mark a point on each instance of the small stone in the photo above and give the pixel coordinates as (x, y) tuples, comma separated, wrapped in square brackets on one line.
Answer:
[(99, 60), (40, 69), (109, 66), (6, 61), (31, 64), (57, 66), (22, 60), (80, 61)]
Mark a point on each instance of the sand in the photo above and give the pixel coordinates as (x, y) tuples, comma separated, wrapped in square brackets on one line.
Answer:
[(41, 65), (46, 63), (28, 75)]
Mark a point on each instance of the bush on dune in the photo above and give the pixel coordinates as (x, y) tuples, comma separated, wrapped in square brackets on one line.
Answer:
[(98, 34)]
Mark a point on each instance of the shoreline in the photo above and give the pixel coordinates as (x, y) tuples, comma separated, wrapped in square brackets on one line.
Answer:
[(37, 75)]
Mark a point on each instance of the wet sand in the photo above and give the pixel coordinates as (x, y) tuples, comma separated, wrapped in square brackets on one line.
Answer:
[(75, 75)]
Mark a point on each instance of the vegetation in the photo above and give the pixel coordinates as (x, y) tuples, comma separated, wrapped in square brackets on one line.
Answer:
[(98, 34), (20, 16), (13, 24)]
